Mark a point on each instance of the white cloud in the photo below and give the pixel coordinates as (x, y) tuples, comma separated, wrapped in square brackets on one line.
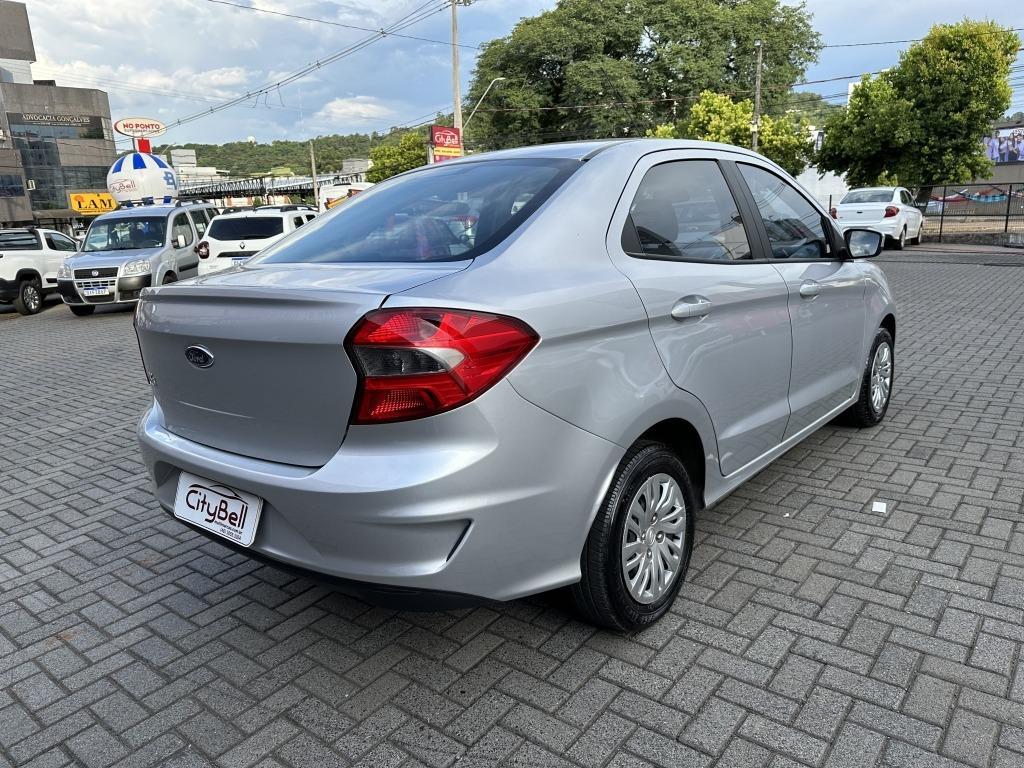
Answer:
[(344, 114)]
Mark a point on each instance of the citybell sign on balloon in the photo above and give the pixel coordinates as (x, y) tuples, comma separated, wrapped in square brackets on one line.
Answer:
[(141, 178), (140, 127)]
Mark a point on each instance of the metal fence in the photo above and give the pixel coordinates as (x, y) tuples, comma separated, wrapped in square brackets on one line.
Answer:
[(975, 212)]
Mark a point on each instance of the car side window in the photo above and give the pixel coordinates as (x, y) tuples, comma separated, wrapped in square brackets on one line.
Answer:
[(59, 242), (180, 226), (906, 198), (199, 221), (684, 210), (795, 227), (298, 221), (19, 241)]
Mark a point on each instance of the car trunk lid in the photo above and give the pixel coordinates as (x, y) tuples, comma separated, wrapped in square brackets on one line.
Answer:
[(858, 212), (252, 361)]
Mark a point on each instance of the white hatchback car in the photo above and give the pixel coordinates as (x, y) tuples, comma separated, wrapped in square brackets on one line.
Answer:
[(889, 210), (236, 237)]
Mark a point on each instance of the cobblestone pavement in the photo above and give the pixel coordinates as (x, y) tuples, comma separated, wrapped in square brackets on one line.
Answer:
[(811, 631)]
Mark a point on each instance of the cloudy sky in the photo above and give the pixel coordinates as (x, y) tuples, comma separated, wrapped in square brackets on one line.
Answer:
[(176, 58)]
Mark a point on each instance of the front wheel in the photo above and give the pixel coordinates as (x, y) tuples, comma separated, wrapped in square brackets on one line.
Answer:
[(876, 384), (169, 278), (638, 549), (30, 297), (81, 310)]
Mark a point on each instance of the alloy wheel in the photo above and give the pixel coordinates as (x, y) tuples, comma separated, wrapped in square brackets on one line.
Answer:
[(881, 377), (32, 298), (653, 538)]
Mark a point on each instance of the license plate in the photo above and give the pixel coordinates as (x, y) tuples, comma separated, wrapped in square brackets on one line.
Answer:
[(239, 259), (96, 291), (220, 509)]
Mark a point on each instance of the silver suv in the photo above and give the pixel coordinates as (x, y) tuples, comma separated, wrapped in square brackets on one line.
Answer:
[(433, 413), (131, 249)]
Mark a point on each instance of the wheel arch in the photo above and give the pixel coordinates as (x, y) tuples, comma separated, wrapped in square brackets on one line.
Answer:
[(889, 323), (685, 441), (27, 273)]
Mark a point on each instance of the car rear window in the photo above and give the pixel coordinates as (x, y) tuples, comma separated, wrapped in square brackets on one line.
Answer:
[(246, 227), (18, 241), (444, 213), (868, 196)]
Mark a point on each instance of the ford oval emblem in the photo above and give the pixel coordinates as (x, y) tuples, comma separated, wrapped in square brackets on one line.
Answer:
[(200, 357)]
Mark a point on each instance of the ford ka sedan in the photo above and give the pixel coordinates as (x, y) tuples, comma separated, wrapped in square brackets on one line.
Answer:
[(434, 414)]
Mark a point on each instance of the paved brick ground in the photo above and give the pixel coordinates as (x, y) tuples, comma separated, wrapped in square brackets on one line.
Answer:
[(811, 631)]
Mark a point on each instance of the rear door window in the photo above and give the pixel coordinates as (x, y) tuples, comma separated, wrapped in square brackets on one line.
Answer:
[(437, 214), (247, 227), (684, 210), (19, 241)]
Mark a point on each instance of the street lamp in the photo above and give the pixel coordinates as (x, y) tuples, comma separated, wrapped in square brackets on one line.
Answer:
[(481, 101)]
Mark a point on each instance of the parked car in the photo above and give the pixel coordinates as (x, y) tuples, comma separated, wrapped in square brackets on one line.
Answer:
[(889, 210), (29, 261), (236, 237), (548, 401), (130, 249)]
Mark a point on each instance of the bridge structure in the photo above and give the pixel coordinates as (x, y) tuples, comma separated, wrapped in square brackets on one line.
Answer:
[(261, 186)]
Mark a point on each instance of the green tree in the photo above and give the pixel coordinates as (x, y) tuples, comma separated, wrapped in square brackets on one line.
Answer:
[(922, 121), (716, 117), (606, 68), (389, 160)]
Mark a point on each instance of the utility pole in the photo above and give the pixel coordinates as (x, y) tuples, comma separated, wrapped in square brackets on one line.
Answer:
[(312, 168), (756, 127), (456, 93)]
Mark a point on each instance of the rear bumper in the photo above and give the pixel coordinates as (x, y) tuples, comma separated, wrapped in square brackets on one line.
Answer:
[(889, 227), (493, 500)]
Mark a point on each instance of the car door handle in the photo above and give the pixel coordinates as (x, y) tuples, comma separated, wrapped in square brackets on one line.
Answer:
[(694, 306), (810, 289)]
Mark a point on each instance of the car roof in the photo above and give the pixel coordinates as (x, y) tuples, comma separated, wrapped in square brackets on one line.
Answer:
[(875, 189), (266, 213), (160, 209), (584, 150)]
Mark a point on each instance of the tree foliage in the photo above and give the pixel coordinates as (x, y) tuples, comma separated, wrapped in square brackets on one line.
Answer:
[(390, 160), (922, 121), (716, 117), (606, 68)]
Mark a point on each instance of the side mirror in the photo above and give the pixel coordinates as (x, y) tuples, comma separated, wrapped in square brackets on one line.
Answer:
[(863, 243), (180, 241)]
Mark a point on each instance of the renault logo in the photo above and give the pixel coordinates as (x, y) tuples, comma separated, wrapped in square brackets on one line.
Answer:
[(200, 357), (241, 246)]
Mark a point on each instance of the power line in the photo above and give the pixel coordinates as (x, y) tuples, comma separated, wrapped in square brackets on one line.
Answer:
[(299, 17), (409, 19), (914, 40)]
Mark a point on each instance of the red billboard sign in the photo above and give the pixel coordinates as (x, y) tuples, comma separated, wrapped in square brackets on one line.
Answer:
[(443, 136)]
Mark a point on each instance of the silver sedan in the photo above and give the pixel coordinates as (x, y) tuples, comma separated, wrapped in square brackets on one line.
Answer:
[(514, 372)]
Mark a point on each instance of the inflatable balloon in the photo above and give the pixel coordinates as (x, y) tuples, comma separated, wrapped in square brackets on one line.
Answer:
[(141, 178)]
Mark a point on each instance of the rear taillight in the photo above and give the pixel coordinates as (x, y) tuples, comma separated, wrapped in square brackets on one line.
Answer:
[(203, 249), (417, 362), (833, 213), (890, 211)]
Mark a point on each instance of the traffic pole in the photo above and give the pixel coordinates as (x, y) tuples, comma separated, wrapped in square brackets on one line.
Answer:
[(757, 96), (312, 168), (456, 90)]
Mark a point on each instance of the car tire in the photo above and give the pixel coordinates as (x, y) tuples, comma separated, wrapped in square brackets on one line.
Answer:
[(879, 373), (81, 310), (30, 297), (169, 278), (899, 243), (916, 240), (628, 543)]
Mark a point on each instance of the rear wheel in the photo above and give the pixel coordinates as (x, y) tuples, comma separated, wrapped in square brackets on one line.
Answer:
[(899, 243), (875, 386), (81, 310), (639, 546), (30, 297)]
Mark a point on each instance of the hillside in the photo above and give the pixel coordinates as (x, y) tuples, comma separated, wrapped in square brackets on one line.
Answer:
[(240, 158)]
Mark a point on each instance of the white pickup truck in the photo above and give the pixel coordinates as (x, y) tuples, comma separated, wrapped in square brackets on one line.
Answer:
[(29, 260)]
